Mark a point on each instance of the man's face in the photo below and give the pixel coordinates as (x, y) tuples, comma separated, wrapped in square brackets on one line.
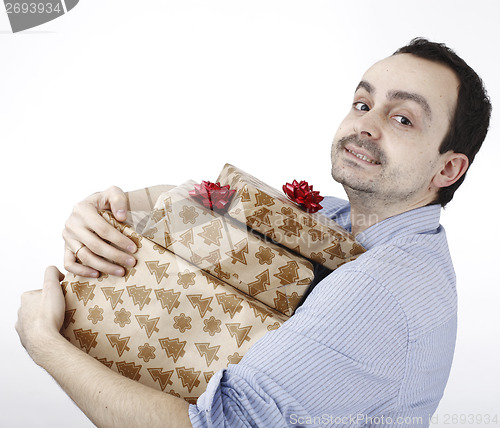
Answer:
[(388, 145)]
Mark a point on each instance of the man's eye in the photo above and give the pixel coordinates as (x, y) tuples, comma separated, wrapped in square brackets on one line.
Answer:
[(361, 106), (403, 120)]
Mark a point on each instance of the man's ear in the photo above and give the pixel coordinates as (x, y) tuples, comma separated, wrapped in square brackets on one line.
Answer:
[(455, 165)]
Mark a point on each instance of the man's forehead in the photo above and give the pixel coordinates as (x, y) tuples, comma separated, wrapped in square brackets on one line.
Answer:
[(408, 76)]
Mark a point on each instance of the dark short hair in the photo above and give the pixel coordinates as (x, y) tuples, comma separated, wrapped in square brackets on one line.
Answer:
[(471, 118)]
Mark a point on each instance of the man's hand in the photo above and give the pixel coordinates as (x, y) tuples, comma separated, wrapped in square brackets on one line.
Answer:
[(86, 233), (106, 397), (41, 314)]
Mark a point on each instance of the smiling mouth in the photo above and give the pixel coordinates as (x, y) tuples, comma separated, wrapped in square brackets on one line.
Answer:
[(363, 157)]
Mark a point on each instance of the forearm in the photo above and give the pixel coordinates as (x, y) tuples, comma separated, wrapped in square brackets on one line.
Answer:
[(107, 398)]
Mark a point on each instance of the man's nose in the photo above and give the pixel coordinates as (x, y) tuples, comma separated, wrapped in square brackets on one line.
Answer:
[(369, 125)]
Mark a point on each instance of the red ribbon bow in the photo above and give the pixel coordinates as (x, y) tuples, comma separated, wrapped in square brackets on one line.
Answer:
[(304, 195), (212, 196)]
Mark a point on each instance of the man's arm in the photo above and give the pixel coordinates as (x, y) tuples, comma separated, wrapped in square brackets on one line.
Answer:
[(107, 398)]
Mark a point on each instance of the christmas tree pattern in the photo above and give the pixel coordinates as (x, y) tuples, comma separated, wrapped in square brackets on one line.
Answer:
[(207, 351), (230, 303), (208, 376), (168, 298), (191, 400), (245, 195), (212, 233), (95, 314), (262, 198), (129, 370), (146, 352), (212, 326), (270, 234), (291, 227), (203, 305), (189, 377), (83, 290), (87, 339), (69, 318), (260, 217), (356, 249), (161, 376), (148, 324), (173, 347), (105, 361), (157, 214), (186, 279), (129, 272), (140, 295), (187, 238), (234, 358), (158, 270), (260, 284), (281, 302), (239, 333), (288, 274), (259, 311), (120, 343), (335, 251), (294, 299), (114, 296), (238, 254), (212, 280), (64, 286)]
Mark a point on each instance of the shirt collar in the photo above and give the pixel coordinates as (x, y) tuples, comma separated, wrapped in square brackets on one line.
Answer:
[(417, 221)]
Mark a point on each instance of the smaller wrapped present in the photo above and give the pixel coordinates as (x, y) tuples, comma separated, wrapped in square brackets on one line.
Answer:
[(271, 213), (227, 250), (166, 323)]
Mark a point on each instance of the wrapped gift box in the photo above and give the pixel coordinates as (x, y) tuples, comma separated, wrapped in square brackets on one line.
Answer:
[(166, 323), (227, 250), (271, 213)]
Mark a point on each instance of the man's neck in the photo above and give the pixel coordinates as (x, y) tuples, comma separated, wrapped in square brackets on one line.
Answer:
[(366, 211)]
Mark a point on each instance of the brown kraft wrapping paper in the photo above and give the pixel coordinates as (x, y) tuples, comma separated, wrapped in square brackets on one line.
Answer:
[(227, 250), (166, 323), (270, 212)]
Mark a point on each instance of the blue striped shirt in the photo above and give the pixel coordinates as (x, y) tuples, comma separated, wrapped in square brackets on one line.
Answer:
[(371, 346)]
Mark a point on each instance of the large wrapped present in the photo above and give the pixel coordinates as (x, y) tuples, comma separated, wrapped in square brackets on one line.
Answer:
[(227, 250), (211, 278), (166, 323), (270, 212)]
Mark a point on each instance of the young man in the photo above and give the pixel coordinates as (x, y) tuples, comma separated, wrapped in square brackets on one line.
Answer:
[(373, 343)]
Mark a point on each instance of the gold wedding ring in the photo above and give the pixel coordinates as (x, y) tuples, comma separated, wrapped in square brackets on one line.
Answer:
[(76, 253)]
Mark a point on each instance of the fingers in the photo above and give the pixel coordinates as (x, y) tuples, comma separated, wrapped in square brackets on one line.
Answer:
[(92, 264), (85, 218), (71, 265), (117, 202)]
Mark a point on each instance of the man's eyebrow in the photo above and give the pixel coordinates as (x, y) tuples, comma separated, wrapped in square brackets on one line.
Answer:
[(419, 99), (365, 85)]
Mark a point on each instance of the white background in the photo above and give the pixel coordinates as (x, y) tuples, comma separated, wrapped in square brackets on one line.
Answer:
[(141, 93)]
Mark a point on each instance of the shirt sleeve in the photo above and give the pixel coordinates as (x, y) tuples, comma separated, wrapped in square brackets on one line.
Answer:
[(342, 354)]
